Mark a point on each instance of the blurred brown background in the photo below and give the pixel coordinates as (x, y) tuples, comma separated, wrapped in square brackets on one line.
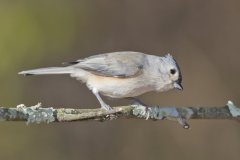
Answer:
[(202, 35)]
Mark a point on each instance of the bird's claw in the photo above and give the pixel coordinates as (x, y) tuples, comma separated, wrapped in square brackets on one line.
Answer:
[(147, 112), (106, 107)]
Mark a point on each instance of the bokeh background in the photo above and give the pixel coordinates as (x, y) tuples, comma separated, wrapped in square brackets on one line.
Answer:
[(202, 35)]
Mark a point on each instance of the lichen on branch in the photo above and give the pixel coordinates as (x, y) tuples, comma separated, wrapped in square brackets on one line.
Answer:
[(40, 114)]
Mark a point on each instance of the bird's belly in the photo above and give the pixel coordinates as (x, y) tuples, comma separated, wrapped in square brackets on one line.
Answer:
[(118, 87)]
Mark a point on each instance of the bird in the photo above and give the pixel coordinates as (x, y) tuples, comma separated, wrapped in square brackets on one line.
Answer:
[(122, 74)]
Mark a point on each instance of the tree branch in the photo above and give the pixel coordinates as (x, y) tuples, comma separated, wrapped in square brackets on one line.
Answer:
[(38, 114)]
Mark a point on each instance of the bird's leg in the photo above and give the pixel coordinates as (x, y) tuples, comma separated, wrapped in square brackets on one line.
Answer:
[(137, 101), (103, 104)]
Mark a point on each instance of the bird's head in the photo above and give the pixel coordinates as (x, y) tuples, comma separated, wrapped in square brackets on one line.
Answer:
[(170, 73)]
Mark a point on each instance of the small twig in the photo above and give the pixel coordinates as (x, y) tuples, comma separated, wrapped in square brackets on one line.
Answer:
[(39, 114)]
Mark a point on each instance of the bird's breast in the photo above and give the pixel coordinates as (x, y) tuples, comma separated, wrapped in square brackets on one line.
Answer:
[(118, 87)]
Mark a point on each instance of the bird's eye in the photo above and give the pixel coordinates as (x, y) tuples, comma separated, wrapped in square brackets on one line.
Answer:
[(172, 71)]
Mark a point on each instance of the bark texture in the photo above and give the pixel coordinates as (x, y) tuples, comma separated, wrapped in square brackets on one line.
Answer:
[(40, 114)]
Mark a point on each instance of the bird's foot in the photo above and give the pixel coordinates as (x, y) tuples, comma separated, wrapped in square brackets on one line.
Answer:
[(139, 102), (147, 112), (109, 109), (106, 107)]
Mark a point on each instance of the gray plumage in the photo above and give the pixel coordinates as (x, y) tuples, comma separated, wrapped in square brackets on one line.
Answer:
[(117, 64), (121, 74)]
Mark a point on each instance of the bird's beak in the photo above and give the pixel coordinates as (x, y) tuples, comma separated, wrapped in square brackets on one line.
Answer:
[(178, 86)]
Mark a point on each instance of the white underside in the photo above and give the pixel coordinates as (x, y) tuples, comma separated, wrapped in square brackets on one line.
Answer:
[(112, 86)]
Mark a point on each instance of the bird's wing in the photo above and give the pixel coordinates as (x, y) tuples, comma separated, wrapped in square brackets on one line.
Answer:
[(116, 64)]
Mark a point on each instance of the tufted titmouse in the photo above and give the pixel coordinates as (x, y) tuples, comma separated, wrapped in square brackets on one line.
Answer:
[(121, 74)]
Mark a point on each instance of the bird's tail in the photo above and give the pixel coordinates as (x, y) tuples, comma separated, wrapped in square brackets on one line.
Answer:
[(49, 70)]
